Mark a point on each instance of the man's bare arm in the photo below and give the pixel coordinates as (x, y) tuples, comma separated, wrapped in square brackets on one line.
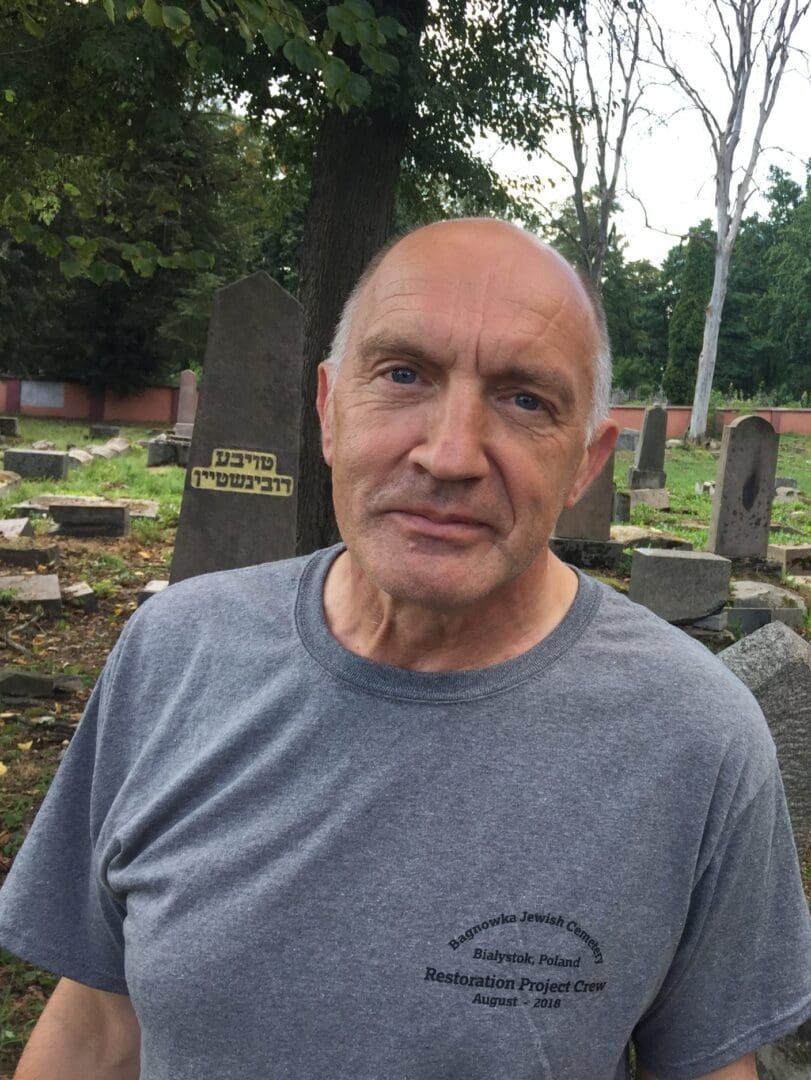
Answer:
[(743, 1069), (83, 1034)]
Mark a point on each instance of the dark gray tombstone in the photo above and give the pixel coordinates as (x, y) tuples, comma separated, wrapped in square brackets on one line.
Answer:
[(590, 517), (744, 489), (186, 404), (239, 504), (647, 470), (8, 425), (679, 586), (103, 431), (37, 464), (775, 663)]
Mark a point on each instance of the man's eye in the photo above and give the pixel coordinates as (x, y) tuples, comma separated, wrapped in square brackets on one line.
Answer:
[(403, 375), (528, 402)]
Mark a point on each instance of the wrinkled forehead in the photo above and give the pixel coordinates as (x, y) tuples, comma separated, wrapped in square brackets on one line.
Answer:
[(460, 286)]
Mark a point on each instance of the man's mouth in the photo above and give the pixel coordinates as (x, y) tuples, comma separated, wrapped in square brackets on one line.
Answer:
[(441, 525)]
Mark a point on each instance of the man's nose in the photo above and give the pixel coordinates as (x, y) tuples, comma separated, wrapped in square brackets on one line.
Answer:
[(453, 443)]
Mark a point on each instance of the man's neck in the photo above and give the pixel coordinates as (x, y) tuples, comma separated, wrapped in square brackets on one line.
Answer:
[(372, 624)]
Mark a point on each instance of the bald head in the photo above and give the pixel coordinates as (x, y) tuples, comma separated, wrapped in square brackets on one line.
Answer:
[(471, 254)]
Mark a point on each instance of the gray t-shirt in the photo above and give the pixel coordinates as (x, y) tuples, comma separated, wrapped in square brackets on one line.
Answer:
[(303, 864)]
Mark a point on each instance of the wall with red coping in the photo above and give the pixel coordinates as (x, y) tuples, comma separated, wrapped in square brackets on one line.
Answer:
[(788, 421)]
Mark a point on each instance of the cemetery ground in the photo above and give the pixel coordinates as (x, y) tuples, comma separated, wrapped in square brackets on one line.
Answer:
[(75, 644)]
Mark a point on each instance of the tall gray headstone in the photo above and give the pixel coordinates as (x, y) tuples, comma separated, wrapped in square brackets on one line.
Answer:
[(648, 468), (744, 489), (239, 503), (186, 404), (590, 517), (775, 663)]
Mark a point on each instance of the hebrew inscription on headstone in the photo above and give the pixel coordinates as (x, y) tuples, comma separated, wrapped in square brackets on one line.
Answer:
[(744, 489), (245, 437)]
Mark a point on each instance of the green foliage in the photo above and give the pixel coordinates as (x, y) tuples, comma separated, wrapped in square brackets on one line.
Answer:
[(686, 326)]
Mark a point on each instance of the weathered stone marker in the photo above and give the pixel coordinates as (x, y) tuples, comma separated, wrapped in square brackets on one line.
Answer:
[(186, 404), (775, 663), (37, 464), (590, 518), (239, 504), (8, 425), (744, 489), (679, 586), (648, 468)]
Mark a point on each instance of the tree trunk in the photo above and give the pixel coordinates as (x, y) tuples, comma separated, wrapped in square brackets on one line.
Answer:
[(349, 217), (709, 345)]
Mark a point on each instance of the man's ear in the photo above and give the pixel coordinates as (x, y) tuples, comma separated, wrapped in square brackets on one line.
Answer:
[(324, 407), (594, 458)]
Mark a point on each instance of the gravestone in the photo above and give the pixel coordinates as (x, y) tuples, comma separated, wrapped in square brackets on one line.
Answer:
[(793, 558), (627, 439), (679, 586), (103, 431), (775, 663), (590, 517), (186, 404), (647, 470), (239, 503), (90, 519), (744, 489), (8, 481), (37, 464), (32, 589), (8, 425), (14, 528)]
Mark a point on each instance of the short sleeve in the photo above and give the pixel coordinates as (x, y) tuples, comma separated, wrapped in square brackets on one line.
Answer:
[(55, 911), (741, 976)]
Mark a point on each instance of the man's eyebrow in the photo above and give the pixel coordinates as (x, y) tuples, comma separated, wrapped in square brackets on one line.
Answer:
[(539, 379), (376, 345)]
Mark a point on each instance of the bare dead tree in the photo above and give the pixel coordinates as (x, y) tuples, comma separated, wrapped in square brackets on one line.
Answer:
[(750, 45), (597, 78)]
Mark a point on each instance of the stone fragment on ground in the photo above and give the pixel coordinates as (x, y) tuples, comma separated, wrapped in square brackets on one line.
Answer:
[(81, 457), (658, 498), (151, 589), (28, 551), (791, 557), (757, 603), (43, 444), (80, 595), (786, 481), (138, 508), (31, 589), (674, 444), (637, 536), (8, 481), (121, 446), (106, 452), (15, 528), (705, 487), (785, 495), (17, 682), (679, 586)]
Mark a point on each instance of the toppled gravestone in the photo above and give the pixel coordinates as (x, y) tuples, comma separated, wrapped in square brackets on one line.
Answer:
[(14, 528), (679, 586), (775, 663), (757, 603), (793, 558), (37, 464), (29, 552), (33, 589), (19, 683), (90, 519)]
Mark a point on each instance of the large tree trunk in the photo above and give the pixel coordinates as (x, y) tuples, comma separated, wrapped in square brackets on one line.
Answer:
[(709, 345), (349, 217)]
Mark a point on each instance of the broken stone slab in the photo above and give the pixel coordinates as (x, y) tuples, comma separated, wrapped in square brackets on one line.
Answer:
[(90, 521), (80, 595), (8, 481), (29, 552), (656, 497), (160, 452), (790, 556), (37, 464), (121, 446), (636, 536), (151, 589), (16, 682), (15, 528), (81, 457), (587, 554), (775, 663), (8, 425), (786, 481), (103, 431), (784, 495), (764, 594), (679, 586), (43, 444), (106, 452), (746, 620), (32, 589), (778, 526), (717, 622), (621, 511), (40, 504), (674, 444)]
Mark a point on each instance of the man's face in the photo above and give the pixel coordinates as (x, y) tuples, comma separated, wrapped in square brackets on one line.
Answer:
[(456, 424)]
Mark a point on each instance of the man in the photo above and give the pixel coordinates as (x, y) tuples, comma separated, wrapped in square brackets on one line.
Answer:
[(433, 804)]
